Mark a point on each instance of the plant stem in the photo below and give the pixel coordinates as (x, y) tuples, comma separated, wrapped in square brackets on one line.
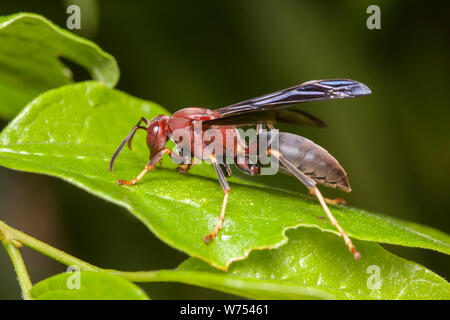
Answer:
[(19, 265), (46, 249), (9, 235)]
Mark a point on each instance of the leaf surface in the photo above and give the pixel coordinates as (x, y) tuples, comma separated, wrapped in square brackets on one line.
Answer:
[(71, 133), (29, 60), (317, 261), (86, 285)]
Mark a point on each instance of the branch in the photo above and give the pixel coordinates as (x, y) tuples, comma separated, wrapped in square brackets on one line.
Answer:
[(22, 275)]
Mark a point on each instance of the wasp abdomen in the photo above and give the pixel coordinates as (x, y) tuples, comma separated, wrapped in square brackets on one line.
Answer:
[(313, 160)]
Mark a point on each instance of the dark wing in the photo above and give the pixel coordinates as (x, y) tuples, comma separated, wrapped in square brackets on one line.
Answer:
[(308, 91), (288, 116)]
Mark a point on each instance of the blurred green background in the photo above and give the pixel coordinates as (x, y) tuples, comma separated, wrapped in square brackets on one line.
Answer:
[(393, 144)]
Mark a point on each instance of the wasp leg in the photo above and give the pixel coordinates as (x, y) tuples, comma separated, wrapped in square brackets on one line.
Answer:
[(184, 168), (148, 166), (312, 187), (260, 127), (184, 163), (227, 169), (226, 190), (334, 201)]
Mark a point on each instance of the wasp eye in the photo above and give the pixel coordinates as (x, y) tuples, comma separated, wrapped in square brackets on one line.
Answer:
[(156, 135)]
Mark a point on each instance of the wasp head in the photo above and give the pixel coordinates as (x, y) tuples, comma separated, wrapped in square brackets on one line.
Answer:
[(156, 134)]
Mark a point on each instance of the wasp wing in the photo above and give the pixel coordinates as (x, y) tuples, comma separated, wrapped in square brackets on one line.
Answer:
[(308, 91), (288, 116)]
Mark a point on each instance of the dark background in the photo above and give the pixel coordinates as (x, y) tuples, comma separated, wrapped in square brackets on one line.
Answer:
[(394, 144)]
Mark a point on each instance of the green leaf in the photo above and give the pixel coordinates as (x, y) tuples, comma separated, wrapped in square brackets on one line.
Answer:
[(198, 273), (71, 132), (317, 261), (87, 285), (29, 60)]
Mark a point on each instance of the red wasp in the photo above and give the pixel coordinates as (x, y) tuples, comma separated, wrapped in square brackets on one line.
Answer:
[(307, 161)]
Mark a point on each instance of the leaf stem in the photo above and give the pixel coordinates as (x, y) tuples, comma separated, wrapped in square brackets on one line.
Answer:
[(9, 236), (13, 235), (46, 249), (19, 266)]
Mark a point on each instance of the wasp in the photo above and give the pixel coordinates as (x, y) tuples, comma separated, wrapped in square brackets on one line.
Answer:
[(308, 162)]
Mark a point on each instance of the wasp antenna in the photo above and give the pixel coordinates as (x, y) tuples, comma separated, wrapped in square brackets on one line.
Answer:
[(116, 153), (127, 139)]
